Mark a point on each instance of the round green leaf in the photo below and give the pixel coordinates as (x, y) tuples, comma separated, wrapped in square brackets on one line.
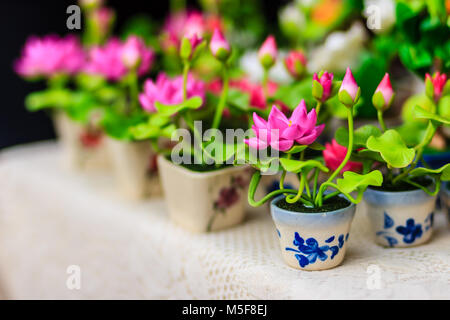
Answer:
[(353, 181), (296, 166), (392, 149)]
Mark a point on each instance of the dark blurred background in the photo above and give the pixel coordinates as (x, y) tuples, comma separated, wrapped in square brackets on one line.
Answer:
[(22, 18)]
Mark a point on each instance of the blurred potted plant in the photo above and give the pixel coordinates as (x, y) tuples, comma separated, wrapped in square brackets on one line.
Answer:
[(401, 210), (203, 191), (312, 224)]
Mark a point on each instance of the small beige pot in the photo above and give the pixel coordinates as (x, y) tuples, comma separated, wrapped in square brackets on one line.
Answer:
[(204, 201), (81, 149), (135, 168)]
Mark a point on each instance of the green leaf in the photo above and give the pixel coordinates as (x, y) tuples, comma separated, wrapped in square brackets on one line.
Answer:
[(296, 149), (360, 135), (57, 98), (316, 146), (169, 110), (392, 149), (222, 152), (317, 90), (238, 99), (367, 154), (419, 112), (443, 171), (352, 181), (185, 49), (296, 166)]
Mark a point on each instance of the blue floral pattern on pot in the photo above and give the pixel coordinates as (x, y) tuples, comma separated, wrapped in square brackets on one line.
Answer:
[(408, 233), (309, 250)]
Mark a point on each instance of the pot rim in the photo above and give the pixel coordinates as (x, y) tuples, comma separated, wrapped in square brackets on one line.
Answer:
[(395, 198), (297, 213), (201, 175)]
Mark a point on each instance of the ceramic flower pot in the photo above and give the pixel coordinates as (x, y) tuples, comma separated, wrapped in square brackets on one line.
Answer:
[(445, 199), (400, 219), (312, 241), (204, 201), (135, 168), (82, 148)]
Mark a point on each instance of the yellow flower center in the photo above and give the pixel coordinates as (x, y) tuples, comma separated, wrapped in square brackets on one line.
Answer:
[(290, 123)]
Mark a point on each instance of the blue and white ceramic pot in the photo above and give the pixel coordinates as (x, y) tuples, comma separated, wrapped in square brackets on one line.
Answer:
[(312, 241), (400, 219), (445, 199)]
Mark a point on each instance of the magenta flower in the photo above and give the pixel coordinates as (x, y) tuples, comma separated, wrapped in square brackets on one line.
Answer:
[(219, 46), (169, 91), (44, 57), (334, 154), (438, 82), (180, 24), (268, 52), (108, 60), (195, 40), (295, 63), (326, 82), (134, 53), (350, 86), (281, 133), (385, 89)]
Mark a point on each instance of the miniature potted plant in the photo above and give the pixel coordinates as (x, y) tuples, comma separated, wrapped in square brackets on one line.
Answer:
[(204, 192), (118, 66), (313, 221), (401, 210), (69, 94)]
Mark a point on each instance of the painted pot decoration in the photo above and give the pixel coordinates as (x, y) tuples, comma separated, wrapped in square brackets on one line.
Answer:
[(400, 219), (83, 147), (445, 199), (204, 201), (313, 241), (135, 168)]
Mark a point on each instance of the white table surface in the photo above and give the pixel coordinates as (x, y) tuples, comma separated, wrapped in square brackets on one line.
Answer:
[(51, 218)]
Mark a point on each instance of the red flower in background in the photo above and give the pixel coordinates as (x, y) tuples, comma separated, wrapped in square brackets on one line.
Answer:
[(334, 154)]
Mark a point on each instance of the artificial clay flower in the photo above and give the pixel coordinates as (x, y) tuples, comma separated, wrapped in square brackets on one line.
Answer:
[(169, 91), (435, 85), (384, 94), (50, 55), (219, 46), (349, 92), (334, 154), (325, 81), (108, 60), (295, 63), (281, 133), (268, 52)]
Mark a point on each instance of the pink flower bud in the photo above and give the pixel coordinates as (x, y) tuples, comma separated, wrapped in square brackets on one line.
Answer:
[(349, 86), (385, 88), (437, 82), (219, 46), (103, 19), (195, 40), (268, 52), (326, 81), (295, 63), (134, 52)]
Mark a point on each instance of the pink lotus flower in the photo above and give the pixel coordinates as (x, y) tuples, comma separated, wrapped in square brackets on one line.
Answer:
[(349, 85), (50, 55), (385, 88), (334, 155), (181, 24), (326, 82), (268, 52), (295, 63), (169, 91), (134, 53), (219, 46), (108, 60), (281, 133), (438, 81)]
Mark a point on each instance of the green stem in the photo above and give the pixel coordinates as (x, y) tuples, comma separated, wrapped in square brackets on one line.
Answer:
[(185, 77), (134, 91), (254, 185), (223, 99), (346, 159), (316, 179), (265, 83), (381, 120), (318, 106)]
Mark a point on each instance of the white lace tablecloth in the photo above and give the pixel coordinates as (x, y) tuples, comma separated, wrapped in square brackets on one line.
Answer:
[(51, 218)]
